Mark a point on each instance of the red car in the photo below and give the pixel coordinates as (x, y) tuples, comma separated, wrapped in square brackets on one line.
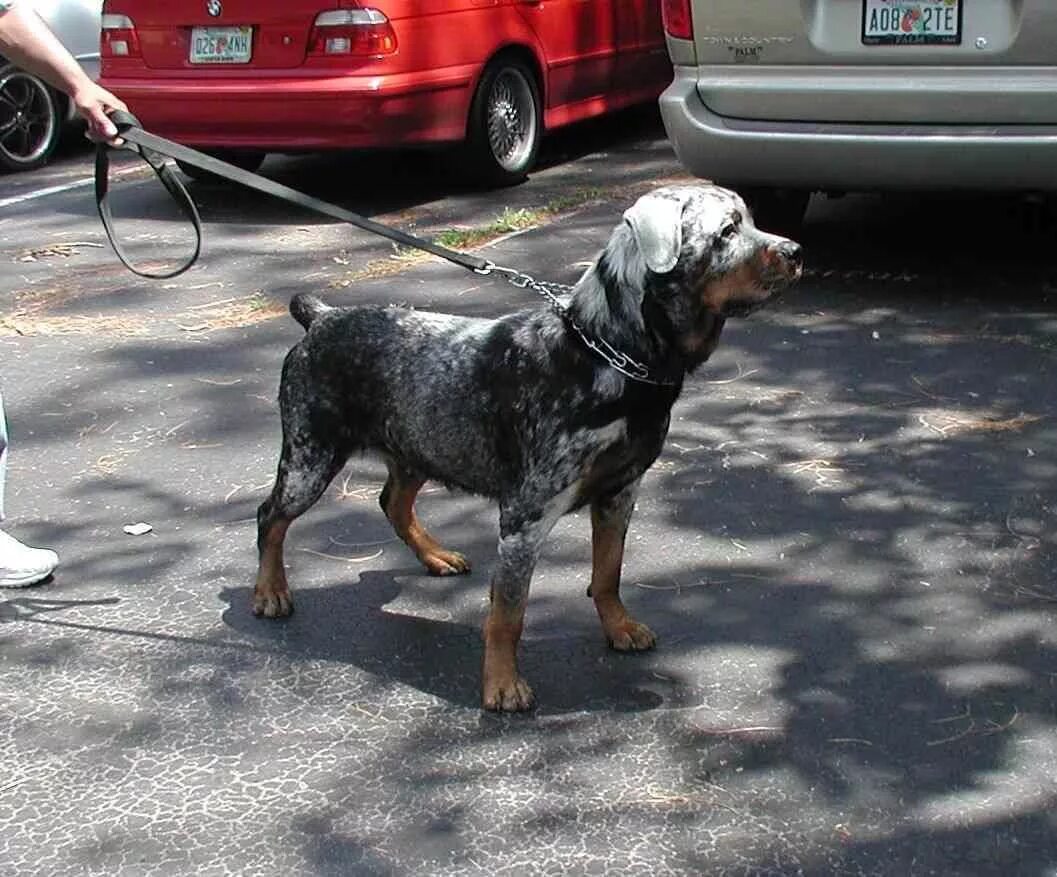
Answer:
[(242, 78)]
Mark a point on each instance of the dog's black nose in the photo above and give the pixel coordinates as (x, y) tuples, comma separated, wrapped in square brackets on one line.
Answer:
[(791, 252)]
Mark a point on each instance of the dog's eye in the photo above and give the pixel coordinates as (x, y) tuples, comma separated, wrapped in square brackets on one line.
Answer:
[(731, 227)]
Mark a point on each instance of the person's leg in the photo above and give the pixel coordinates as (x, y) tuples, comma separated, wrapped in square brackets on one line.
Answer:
[(20, 565), (3, 454)]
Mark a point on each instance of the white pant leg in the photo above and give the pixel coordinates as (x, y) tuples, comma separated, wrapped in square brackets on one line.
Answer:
[(3, 454)]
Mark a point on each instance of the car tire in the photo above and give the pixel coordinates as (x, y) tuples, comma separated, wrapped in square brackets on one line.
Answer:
[(247, 160), (31, 119), (505, 125), (779, 211)]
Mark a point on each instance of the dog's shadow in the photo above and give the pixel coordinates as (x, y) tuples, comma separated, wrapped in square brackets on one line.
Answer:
[(348, 623)]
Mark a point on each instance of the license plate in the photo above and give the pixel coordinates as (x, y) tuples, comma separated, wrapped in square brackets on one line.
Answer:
[(912, 22), (221, 45)]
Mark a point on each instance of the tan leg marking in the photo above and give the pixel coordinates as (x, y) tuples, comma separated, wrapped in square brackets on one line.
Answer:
[(400, 509), (607, 554), (271, 595), (502, 689)]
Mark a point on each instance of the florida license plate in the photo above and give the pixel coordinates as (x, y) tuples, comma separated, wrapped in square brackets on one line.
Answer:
[(912, 22), (221, 45)]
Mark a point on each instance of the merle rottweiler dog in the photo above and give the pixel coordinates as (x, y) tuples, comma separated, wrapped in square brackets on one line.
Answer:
[(519, 408)]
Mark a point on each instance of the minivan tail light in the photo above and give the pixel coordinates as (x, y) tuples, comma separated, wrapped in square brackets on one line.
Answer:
[(118, 37), (678, 21), (352, 32)]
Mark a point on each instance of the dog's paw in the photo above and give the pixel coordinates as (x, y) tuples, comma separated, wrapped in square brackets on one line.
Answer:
[(273, 604), (630, 636), (509, 695), (446, 563)]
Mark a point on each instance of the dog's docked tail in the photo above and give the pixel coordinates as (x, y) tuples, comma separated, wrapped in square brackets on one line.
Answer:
[(305, 308)]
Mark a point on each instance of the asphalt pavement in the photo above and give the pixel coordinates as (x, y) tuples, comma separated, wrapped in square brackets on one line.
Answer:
[(846, 549)]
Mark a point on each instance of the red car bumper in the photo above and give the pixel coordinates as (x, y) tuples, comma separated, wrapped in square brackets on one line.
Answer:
[(303, 112)]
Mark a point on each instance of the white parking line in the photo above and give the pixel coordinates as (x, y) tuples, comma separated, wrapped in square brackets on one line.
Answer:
[(66, 187)]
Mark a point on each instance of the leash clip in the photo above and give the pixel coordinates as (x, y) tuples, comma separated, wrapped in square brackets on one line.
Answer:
[(622, 362)]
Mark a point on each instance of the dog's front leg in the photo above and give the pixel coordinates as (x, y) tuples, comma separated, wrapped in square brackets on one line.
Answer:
[(521, 538), (609, 526)]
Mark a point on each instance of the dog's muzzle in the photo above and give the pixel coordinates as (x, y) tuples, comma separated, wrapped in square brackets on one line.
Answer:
[(788, 258)]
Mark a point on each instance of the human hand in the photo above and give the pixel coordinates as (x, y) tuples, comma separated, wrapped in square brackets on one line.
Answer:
[(94, 103)]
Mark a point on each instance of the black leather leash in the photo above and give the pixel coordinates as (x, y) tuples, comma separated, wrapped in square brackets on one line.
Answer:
[(154, 149)]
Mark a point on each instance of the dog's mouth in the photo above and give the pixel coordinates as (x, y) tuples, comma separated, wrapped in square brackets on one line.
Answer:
[(777, 276), (769, 290), (754, 283), (740, 309)]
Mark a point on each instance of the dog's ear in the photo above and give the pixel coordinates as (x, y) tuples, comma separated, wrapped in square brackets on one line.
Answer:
[(656, 220)]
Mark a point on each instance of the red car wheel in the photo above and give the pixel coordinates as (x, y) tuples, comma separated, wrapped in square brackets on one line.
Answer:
[(505, 124)]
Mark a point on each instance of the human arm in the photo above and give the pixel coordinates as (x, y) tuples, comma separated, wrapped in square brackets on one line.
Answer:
[(28, 42)]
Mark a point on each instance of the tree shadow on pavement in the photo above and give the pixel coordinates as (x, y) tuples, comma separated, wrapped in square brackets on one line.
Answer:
[(847, 549)]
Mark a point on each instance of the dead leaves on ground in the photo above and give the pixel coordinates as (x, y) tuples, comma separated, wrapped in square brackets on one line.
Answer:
[(63, 250), (33, 318), (951, 423)]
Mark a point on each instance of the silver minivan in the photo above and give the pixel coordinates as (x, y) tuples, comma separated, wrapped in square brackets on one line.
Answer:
[(780, 98)]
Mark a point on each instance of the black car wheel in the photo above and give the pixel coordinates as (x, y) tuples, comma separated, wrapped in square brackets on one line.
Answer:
[(505, 124), (30, 120)]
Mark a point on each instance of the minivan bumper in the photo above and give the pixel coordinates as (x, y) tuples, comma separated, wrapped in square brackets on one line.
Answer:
[(853, 156)]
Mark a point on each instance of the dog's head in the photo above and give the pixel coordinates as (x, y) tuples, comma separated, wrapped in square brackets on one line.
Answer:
[(703, 238)]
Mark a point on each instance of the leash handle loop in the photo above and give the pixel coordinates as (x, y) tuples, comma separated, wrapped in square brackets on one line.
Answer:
[(126, 124), (152, 147)]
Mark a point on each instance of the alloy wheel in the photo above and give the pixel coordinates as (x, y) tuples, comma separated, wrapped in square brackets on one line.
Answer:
[(28, 120), (511, 119)]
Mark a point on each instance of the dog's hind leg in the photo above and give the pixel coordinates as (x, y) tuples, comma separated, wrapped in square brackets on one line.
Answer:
[(305, 469), (609, 526), (398, 503)]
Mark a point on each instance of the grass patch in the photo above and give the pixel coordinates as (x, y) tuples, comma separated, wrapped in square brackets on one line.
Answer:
[(510, 221), (575, 199)]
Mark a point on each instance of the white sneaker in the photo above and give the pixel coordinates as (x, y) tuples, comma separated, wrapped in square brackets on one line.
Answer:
[(21, 565)]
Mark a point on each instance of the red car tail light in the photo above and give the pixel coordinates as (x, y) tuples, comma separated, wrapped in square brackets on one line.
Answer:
[(352, 32), (118, 37), (678, 20)]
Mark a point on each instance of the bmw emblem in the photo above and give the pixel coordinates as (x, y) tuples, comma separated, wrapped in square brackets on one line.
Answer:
[(214, 7)]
